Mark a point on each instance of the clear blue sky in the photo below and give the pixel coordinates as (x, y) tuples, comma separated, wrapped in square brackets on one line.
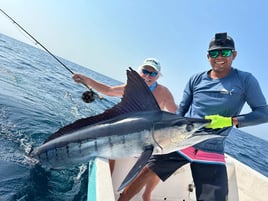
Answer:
[(110, 36)]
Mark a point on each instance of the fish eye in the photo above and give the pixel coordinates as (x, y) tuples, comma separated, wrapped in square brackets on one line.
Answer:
[(189, 127)]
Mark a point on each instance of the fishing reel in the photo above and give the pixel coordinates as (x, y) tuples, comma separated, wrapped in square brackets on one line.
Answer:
[(90, 95)]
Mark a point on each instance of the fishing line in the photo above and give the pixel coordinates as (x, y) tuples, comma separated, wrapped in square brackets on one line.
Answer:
[(88, 96)]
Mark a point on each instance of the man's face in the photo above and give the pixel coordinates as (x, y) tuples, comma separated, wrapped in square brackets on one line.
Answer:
[(149, 74), (221, 60)]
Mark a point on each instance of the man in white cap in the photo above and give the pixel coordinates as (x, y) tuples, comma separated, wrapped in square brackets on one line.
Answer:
[(150, 71)]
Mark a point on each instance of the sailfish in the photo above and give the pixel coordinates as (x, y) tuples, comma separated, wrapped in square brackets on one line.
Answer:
[(136, 126)]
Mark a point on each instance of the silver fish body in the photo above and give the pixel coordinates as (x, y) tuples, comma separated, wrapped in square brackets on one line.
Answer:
[(124, 136)]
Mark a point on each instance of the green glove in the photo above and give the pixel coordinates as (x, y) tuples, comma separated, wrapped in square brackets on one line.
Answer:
[(218, 121)]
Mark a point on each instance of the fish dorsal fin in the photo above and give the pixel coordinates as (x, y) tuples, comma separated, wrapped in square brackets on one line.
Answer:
[(137, 97)]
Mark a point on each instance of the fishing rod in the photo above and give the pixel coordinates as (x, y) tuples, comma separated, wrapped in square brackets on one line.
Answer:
[(87, 96)]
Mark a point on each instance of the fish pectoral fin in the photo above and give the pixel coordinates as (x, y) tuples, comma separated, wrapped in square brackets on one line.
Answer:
[(135, 170)]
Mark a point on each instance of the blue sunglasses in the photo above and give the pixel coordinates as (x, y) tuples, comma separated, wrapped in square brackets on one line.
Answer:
[(152, 74)]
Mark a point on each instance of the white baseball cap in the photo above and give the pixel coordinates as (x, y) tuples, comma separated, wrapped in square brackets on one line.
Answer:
[(152, 63)]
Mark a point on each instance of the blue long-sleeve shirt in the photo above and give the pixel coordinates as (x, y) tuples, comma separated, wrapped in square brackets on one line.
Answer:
[(226, 96)]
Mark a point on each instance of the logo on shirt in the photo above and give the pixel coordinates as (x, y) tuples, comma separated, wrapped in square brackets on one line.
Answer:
[(225, 91)]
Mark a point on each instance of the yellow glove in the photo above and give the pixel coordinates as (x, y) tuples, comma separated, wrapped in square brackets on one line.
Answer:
[(218, 121)]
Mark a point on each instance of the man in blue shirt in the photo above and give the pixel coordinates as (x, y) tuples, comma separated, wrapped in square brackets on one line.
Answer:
[(218, 94)]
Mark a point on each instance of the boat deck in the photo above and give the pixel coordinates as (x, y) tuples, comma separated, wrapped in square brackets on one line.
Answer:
[(245, 184)]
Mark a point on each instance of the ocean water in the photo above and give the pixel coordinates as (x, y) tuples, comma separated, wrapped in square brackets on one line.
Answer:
[(37, 97)]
